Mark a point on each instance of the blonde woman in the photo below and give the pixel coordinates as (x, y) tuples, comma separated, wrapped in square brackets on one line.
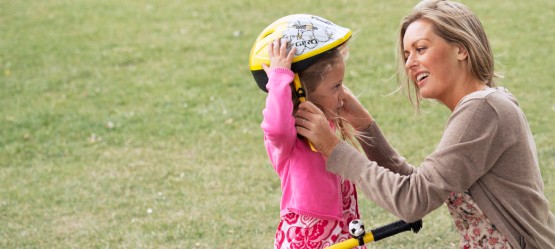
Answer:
[(485, 167)]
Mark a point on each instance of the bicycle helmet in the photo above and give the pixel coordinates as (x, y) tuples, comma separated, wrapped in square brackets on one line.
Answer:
[(311, 36)]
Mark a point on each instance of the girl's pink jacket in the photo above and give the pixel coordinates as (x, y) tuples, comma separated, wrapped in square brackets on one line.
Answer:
[(307, 188)]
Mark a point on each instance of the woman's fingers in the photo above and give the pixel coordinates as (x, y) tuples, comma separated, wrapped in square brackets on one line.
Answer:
[(301, 122), (310, 107), (309, 117), (354, 112), (311, 123)]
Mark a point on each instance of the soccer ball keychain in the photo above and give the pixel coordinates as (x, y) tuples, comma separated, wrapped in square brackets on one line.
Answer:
[(361, 237)]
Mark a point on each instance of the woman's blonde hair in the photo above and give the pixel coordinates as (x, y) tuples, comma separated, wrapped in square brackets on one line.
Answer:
[(456, 24)]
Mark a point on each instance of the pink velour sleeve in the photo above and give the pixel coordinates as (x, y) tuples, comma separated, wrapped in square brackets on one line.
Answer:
[(278, 123)]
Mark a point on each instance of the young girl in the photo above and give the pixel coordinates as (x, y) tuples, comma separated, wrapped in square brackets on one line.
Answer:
[(316, 206)]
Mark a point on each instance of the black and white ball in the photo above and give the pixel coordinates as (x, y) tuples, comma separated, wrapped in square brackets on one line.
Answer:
[(356, 228)]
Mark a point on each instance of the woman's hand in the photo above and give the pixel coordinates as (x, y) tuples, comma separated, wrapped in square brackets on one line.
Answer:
[(354, 112), (279, 57), (311, 123)]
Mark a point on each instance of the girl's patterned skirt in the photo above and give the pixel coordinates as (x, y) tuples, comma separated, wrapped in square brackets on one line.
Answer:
[(303, 232)]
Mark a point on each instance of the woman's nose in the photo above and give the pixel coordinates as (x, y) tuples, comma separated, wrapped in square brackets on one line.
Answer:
[(410, 62)]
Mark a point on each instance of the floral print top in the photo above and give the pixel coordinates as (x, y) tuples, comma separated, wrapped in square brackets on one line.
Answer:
[(475, 228)]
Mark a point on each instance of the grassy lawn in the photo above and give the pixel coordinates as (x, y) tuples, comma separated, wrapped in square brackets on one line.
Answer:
[(136, 124)]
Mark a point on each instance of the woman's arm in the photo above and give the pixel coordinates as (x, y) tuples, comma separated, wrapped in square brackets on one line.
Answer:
[(378, 149), (373, 142), (405, 196), (469, 147)]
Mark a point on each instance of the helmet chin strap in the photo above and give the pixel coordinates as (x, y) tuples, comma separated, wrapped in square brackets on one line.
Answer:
[(299, 91), (301, 95)]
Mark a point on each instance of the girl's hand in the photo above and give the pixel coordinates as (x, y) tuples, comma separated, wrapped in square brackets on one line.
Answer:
[(279, 57), (311, 123), (354, 112)]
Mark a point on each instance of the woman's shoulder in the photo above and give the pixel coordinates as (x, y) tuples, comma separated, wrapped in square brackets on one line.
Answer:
[(493, 104), (488, 105), (499, 98)]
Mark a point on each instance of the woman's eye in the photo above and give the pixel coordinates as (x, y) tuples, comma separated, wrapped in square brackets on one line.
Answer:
[(406, 56), (420, 49)]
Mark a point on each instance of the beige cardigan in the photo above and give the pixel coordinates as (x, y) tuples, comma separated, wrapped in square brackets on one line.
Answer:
[(487, 148)]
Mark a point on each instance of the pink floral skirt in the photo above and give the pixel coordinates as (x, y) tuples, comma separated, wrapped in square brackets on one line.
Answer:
[(303, 232)]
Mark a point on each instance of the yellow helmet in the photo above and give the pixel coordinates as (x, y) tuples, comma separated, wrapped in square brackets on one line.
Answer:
[(310, 35)]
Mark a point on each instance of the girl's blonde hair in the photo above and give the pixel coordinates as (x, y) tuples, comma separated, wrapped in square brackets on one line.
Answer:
[(456, 24), (311, 78)]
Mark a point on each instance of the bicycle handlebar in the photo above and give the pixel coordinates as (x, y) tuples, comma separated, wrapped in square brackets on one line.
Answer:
[(380, 233)]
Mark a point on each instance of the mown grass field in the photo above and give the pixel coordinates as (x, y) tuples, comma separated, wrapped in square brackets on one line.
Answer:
[(135, 124)]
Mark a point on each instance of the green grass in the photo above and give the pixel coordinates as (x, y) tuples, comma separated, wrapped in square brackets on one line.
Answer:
[(133, 124)]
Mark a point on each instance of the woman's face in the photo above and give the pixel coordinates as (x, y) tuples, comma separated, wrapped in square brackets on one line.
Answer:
[(329, 94), (430, 62)]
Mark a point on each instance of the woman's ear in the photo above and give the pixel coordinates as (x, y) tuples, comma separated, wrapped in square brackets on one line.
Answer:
[(462, 53)]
